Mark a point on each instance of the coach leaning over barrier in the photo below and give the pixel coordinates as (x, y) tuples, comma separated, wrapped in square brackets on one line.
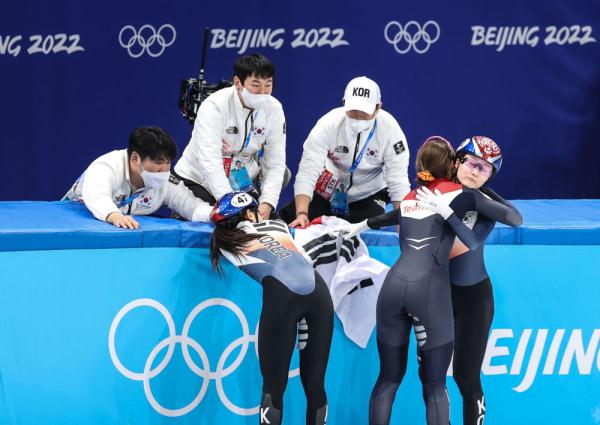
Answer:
[(232, 126), (136, 181), (355, 161)]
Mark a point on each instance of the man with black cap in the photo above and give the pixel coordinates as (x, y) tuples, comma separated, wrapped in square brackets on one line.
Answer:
[(355, 161)]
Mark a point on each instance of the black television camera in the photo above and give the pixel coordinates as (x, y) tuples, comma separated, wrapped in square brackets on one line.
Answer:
[(194, 91)]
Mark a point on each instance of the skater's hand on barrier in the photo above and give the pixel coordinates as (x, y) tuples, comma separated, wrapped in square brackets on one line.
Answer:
[(123, 221), (434, 202)]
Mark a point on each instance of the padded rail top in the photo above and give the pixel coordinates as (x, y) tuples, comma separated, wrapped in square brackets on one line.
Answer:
[(28, 226)]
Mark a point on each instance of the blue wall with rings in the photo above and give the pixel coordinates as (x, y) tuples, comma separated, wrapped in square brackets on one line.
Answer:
[(78, 77), (98, 337)]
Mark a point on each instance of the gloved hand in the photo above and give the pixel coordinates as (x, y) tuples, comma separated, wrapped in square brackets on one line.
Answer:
[(434, 202), (351, 230)]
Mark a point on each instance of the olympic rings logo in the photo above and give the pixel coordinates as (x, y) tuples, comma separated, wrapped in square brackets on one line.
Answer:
[(139, 42), (412, 36), (186, 342)]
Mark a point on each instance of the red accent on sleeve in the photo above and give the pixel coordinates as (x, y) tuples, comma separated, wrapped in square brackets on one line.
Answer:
[(447, 186), (318, 220), (410, 196)]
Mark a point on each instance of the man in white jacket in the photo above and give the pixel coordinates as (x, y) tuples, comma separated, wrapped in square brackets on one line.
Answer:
[(232, 126), (137, 181), (355, 160)]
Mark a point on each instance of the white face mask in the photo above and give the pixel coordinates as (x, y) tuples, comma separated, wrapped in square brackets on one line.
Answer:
[(358, 126), (154, 180), (254, 101)]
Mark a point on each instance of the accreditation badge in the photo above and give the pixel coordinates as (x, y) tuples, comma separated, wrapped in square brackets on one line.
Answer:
[(239, 178), (339, 199)]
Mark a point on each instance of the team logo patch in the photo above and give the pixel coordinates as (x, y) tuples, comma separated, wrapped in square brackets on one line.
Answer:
[(341, 149), (232, 130), (399, 147), (145, 201), (470, 217), (173, 179), (381, 203), (372, 153)]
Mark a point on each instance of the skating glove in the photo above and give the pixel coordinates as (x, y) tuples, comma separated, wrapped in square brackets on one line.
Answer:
[(351, 230), (434, 201)]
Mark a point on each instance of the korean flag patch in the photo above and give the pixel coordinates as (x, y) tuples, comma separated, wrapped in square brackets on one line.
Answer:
[(399, 147)]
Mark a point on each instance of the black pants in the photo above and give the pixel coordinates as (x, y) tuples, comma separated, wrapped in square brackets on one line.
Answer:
[(473, 314), (368, 207), (198, 190), (281, 311), (202, 193)]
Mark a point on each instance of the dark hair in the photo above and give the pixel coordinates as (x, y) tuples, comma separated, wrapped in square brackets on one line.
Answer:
[(228, 237), (256, 64), (152, 142), (433, 159)]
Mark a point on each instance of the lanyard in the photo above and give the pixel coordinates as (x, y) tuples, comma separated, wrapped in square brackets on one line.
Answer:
[(249, 136), (128, 200), (362, 152)]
